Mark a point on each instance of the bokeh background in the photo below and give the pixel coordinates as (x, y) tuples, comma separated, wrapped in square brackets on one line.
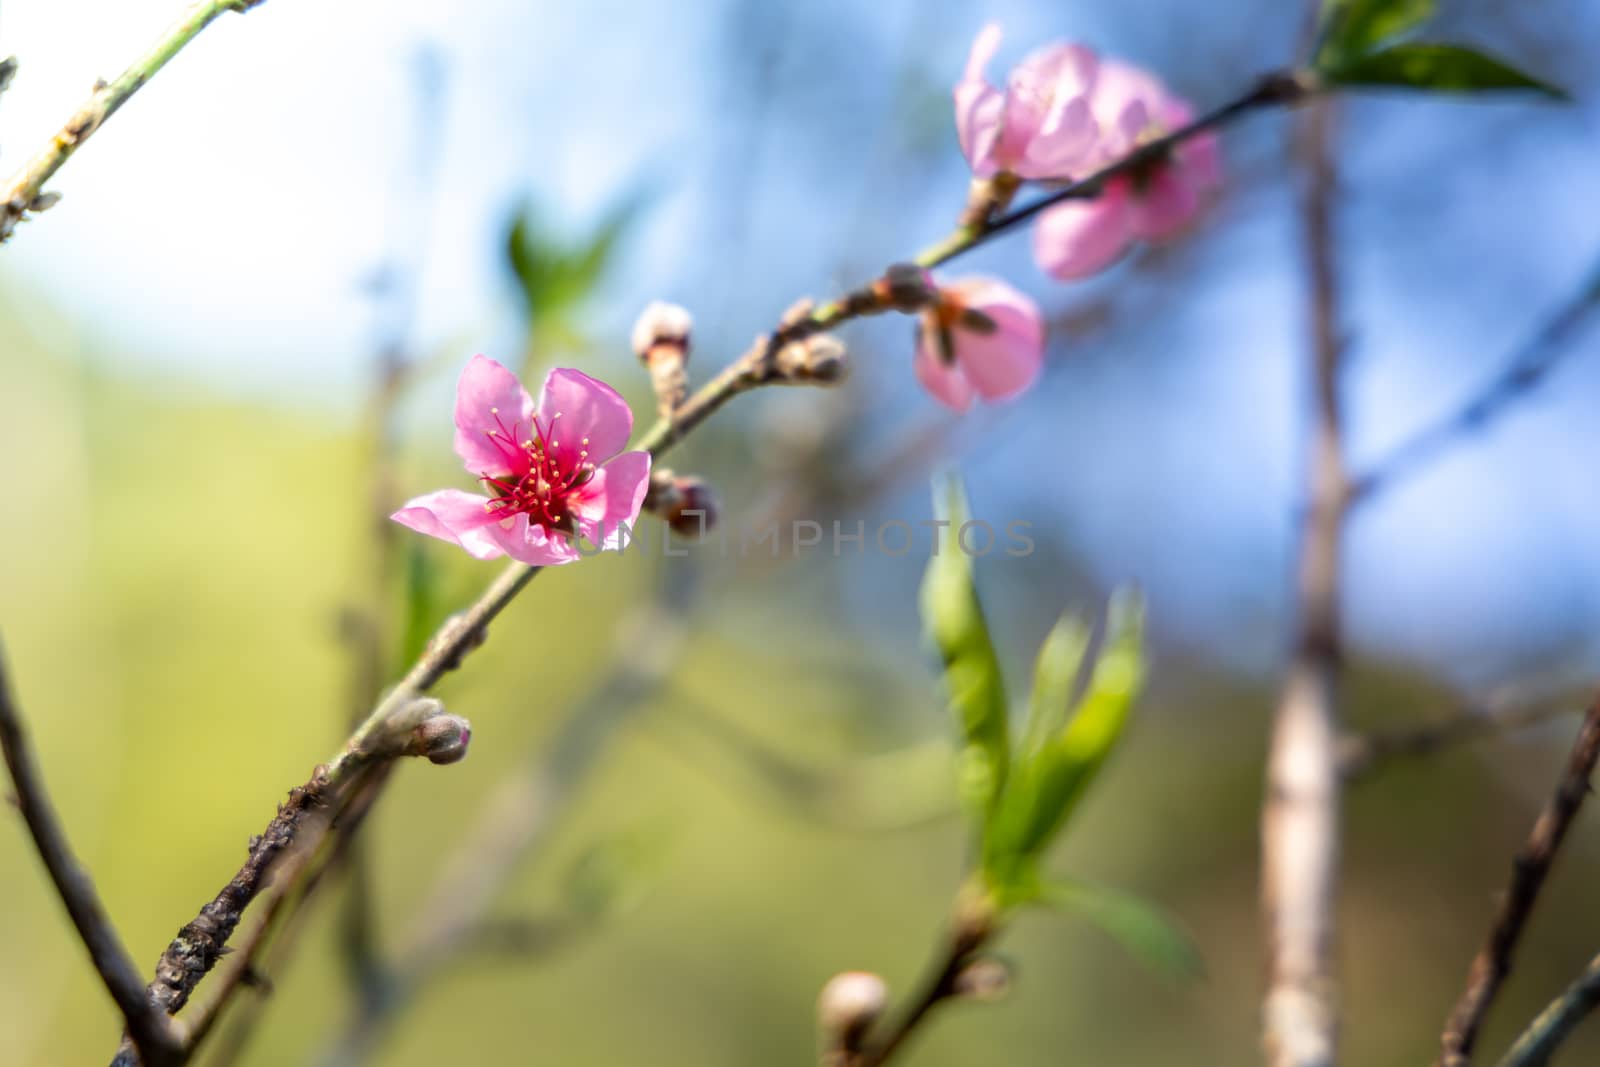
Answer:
[(188, 346)]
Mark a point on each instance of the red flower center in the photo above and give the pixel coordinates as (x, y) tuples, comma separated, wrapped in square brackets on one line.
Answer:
[(539, 476)]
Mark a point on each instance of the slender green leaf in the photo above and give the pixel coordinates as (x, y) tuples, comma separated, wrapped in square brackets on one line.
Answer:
[(556, 277), (953, 618), (1436, 67), (1139, 926), (1048, 784), (1352, 28), (1055, 677)]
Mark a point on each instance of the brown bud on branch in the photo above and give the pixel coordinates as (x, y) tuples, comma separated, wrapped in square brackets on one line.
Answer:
[(846, 1009), (661, 341), (685, 503)]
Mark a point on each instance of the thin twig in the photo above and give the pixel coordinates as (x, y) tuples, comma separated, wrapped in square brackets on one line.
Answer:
[(23, 192), (1526, 367), (1360, 755), (1279, 89), (147, 1026), (1528, 871), (191, 955), (1300, 820), (973, 927), (265, 949), (1536, 1044), (516, 820)]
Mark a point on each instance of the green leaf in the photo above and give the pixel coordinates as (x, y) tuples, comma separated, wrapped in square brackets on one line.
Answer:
[(1139, 926), (1437, 67), (555, 277), (1049, 782), (953, 619), (1055, 677), (1352, 28)]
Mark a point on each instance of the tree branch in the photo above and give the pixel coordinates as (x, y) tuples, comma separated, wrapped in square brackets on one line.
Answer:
[(1529, 868), (23, 192), (1362, 755), (191, 955), (1525, 369), (1536, 1044), (973, 927), (300, 875), (516, 820), (147, 1026), (1300, 819)]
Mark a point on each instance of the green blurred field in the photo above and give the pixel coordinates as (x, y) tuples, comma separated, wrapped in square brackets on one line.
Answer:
[(171, 572)]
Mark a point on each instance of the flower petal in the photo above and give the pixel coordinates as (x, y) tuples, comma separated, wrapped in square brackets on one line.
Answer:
[(980, 107), (1165, 205), (455, 516), (492, 415), (1077, 238), (946, 382), (1050, 129), (536, 546), (1002, 364), (585, 419), (616, 492)]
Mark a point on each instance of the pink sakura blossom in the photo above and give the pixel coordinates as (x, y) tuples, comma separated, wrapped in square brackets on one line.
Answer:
[(1078, 238), (552, 469), (1041, 125), (981, 339)]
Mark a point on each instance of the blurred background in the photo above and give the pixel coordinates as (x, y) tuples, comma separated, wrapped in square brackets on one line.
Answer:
[(191, 346)]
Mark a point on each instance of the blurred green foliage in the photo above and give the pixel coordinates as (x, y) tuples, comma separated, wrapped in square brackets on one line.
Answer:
[(1017, 815), (556, 277)]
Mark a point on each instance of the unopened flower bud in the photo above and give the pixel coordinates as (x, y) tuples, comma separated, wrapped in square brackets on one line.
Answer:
[(661, 324), (441, 739), (850, 1003), (826, 360), (907, 287), (684, 502), (818, 360), (984, 979), (661, 341), (696, 511)]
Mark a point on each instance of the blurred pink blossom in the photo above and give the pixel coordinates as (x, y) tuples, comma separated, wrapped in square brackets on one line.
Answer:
[(982, 339), (1041, 125), (1078, 238), (552, 468)]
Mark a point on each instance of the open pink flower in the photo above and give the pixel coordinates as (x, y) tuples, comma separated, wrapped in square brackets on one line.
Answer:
[(551, 468), (1041, 125), (982, 339), (1078, 238)]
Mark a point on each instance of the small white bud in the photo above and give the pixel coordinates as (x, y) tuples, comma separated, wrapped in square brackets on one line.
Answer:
[(850, 1003)]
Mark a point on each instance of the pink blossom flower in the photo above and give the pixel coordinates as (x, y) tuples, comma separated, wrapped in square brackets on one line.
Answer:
[(552, 469), (1041, 125), (982, 339), (1078, 238)]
